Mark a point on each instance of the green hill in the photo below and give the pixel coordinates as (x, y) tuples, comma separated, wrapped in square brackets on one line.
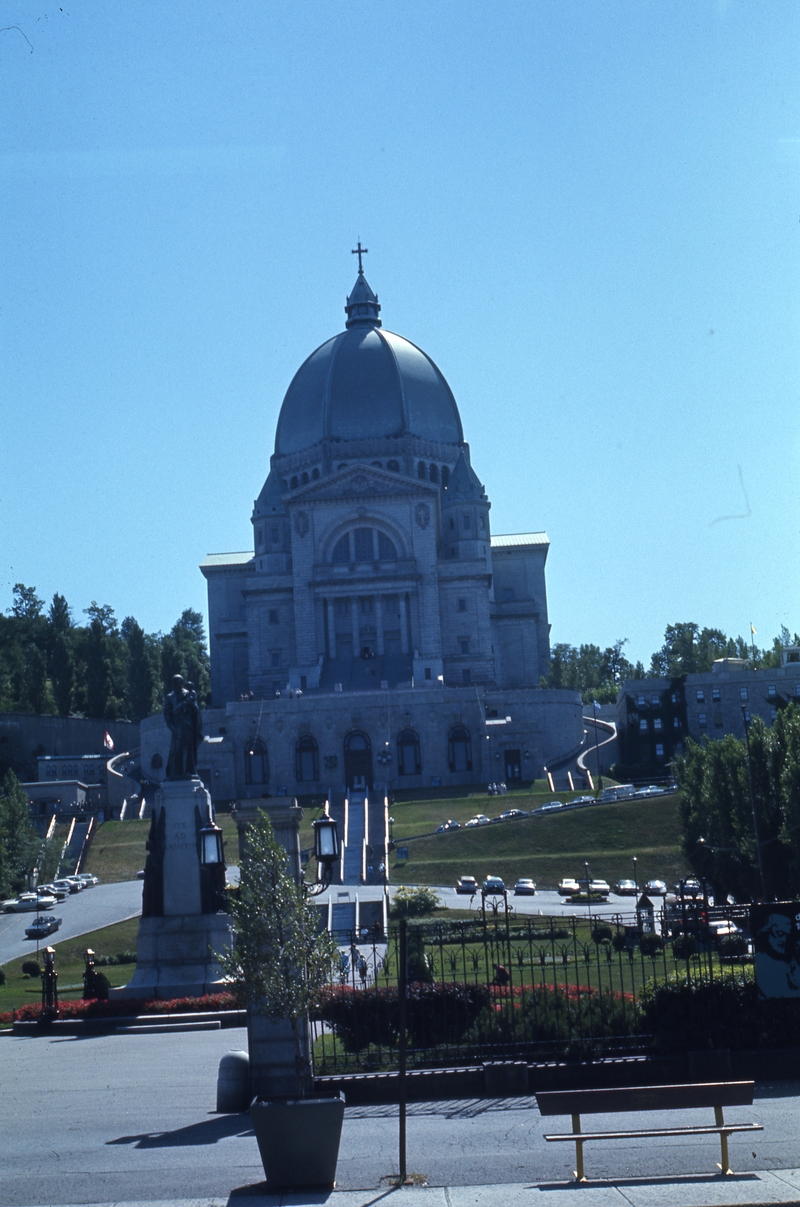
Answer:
[(550, 847)]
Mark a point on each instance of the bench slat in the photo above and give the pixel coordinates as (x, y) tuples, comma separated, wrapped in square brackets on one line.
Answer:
[(645, 1098), (661, 1131)]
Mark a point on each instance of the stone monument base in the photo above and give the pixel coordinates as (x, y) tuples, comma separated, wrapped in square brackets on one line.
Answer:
[(176, 957)]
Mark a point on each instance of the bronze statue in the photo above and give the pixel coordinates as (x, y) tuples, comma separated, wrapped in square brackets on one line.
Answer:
[(184, 719)]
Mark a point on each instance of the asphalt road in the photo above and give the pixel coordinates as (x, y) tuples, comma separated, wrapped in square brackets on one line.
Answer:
[(80, 913), (117, 1118)]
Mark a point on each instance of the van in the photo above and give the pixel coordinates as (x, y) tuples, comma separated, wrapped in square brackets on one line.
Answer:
[(618, 792)]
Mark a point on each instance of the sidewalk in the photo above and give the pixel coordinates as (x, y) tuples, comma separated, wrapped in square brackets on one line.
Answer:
[(742, 1190)]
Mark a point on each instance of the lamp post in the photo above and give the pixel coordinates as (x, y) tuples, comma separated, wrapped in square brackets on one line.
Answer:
[(746, 723), (326, 850), (390, 821), (634, 861)]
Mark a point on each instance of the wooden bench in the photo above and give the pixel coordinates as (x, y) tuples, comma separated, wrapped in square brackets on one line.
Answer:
[(649, 1098)]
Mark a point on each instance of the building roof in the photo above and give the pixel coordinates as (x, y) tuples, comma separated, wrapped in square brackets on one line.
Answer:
[(366, 383), (518, 539), (226, 559)]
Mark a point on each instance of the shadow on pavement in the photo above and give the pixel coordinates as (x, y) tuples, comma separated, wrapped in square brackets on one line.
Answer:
[(692, 1179), (209, 1131), (267, 1197)]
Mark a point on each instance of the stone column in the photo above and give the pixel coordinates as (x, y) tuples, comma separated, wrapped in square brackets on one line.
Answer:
[(331, 628), (403, 624), (379, 624), (356, 630)]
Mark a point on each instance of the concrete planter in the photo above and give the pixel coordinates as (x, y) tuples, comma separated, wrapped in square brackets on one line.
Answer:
[(298, 1139)]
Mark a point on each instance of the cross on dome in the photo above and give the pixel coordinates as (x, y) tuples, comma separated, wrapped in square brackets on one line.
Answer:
[(359, 251)]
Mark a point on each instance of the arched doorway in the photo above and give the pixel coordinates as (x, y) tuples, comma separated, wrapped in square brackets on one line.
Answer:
[(358, 761)]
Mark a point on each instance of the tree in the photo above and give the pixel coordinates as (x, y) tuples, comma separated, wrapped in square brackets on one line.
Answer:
[(18, 842), (106, 658), (62, 659), (717, 814), (183, 652), (280, 959), (141, 697), (27, 605)]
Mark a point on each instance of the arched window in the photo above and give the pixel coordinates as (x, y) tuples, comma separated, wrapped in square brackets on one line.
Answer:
[(293, 483), (386, 549), (304, 478), (422, 471), (315, 474), (306, 759), (357, 741), (341, 550), (156, 762), (364, 547), (459, 749), (409, 760), (445, 476), (256, 763), (434, 473), (394, 466)]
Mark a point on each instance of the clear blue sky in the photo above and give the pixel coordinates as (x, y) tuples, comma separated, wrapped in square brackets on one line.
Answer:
[(587, 213)]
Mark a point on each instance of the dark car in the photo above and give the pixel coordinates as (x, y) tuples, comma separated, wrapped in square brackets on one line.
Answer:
[(43, 926)]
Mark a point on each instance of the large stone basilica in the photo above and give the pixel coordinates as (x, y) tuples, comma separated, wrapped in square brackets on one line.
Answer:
[(376, 633)]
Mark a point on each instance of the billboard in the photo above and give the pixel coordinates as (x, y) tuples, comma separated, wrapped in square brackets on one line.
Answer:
[(775, 927)]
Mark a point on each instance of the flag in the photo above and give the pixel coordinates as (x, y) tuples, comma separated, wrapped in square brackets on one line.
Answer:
[(753, 629), (108, 741)]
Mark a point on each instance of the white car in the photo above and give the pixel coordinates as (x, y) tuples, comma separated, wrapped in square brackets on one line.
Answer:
[(568, 886), (28, 902), (88, 879), (480, 819), (69, 883), (600, 887), (524, 888)]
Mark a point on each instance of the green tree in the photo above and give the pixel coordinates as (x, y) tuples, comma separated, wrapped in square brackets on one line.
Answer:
[(36, 697), (141, 697), (62, 658), (281, 959), (184, 652), (106, 658), (717, 815), (18, 842)]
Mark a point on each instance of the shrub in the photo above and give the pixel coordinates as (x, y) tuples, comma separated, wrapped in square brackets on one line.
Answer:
[(102, 986), (413, 903), (435, 1013), (602, 933), (684, 946), (732, 947), (30, 968), (2, 976), (576, 1019), (619, 941), (649, 945)]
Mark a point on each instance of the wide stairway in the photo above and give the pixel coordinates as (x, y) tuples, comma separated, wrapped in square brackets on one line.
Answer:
[(353, 851)]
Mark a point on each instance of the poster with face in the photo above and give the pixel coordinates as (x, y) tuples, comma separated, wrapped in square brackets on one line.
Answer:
[(775, 927)]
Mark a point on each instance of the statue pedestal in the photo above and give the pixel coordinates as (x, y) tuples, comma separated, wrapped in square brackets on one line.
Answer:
[(177, 940)]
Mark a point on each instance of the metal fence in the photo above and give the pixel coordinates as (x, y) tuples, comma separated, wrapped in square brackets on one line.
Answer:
[(549, 988)]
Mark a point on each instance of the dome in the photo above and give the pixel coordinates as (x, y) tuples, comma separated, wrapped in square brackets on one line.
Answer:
[(366, 384)]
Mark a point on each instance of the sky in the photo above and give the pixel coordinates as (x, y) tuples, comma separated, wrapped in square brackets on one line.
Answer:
[(587, 214)]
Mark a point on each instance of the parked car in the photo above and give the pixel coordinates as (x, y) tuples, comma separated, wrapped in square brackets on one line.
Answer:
[(140, 874), (510, 813), (480, 819), (467, 884), (655, 888), (626, 888), (50, 890), (688, 888), (448, 825), (28, 902), (79, 885), (723, 929), (568, 886), (599, 887), (550, 807), (88, 879), (581, 800), (42, 926), (524, 888), (68, 885), (493, 885)]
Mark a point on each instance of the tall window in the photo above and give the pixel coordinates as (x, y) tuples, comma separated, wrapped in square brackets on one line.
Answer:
[(409, 761), (306, 759), (341, 550), (459, 749), (386, 549), (422, 471), (363, 542), (364, 545), (256, 763)]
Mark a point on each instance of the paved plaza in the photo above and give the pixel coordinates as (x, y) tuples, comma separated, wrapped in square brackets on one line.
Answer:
[(130, 1119)]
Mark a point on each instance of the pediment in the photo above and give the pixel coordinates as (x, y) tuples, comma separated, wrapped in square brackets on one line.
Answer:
[(360, 482)]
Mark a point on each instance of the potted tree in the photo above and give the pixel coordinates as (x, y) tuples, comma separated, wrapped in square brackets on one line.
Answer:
[(279, 961)]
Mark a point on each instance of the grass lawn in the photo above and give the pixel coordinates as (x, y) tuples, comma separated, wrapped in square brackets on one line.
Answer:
[(118, 850), (548, 848), (19, 990)]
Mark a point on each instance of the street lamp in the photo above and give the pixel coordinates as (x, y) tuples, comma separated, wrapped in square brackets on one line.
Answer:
[(211, 849), (326, 850), (634, 861)]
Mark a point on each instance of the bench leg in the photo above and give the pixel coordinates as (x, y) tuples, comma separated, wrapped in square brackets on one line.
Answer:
[(576, 1127), (723, 1164)]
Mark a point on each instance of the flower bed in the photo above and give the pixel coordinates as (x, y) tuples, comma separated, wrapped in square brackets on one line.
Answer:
[(125, 1007)]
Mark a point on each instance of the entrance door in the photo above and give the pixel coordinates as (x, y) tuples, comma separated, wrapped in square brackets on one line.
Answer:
[(513, 765), (358, 761)]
